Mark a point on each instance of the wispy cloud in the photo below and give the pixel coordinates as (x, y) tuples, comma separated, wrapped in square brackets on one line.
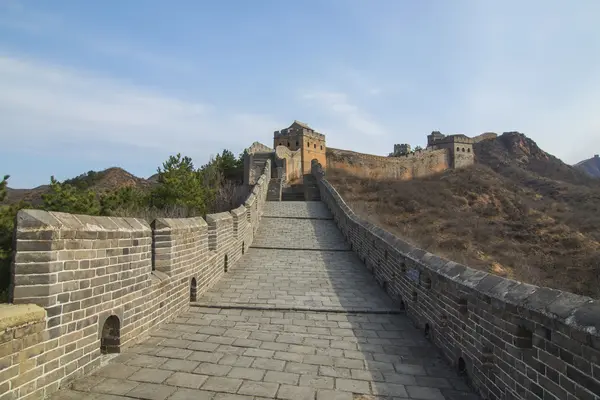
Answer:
[(347, 114), (42, 105)]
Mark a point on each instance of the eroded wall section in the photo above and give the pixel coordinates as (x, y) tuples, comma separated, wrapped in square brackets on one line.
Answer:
[(420, 164)]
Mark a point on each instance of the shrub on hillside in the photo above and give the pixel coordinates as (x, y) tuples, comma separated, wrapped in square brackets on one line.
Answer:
[(182, 191), (8, 215)]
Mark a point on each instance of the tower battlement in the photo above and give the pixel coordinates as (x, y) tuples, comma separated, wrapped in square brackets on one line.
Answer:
[(300, 136)]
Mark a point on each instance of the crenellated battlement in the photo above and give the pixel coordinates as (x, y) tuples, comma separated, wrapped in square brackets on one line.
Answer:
[(104, 282)]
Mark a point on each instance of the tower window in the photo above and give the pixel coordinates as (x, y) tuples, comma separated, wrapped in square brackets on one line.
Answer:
[(458, 149), (321, 147), (288, 144), (297, 144), (315, 145)]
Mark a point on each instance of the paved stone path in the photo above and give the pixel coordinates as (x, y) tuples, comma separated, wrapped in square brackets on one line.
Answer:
[(292, 324)]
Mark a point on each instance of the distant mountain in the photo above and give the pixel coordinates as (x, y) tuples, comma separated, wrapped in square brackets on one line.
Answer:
[(591, 166), (518, 212), (99, 181)]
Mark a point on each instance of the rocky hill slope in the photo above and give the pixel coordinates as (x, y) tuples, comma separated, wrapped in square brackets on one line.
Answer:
[(518, 212), (591, 166), (99, 181)]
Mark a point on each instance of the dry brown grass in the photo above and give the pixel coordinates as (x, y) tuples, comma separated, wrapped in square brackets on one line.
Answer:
[(523, 225)]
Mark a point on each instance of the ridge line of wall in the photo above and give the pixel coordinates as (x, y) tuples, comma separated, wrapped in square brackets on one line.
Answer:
[(513, 340)]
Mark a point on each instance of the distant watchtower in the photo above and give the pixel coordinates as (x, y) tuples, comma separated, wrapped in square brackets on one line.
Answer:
[(300, 136), (459, 146)]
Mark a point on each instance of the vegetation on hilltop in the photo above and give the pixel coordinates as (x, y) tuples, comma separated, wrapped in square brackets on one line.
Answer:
[(519, 213), (180, 190)]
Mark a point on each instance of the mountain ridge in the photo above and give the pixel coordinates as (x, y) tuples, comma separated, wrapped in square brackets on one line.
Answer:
[(518, 212), (591, 166)]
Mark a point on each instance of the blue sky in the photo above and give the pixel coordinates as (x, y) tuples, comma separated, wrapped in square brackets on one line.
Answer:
[(88, 85)]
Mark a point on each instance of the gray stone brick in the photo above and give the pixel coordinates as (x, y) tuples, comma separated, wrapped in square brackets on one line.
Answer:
[(287, 392), (333, 395), (388, 389), (253, 374), (335, 372), (317, 382), (115, 386), (263, 389), (302, 369), (221, 384), (410, 369), (172, 352), (259, 353), (236, 361), (189, 394), (213, 369), (282, 377), (186, 380), (270, 364), (352, 385), (150, 375), (151, 391), (424, 393), (286, 356), (117, 371), (180, 365)]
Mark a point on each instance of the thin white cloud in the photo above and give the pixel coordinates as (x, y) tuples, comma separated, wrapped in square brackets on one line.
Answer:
[(345, 113), (41, 105)]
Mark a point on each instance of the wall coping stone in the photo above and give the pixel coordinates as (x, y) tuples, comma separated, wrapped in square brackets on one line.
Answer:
[(170, 224), (238, 212), (250, 200), (217, 217), (14, 315), (31, 219), (579, 312)]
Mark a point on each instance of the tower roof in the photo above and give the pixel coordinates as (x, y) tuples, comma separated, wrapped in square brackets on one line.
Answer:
[(302, 124)]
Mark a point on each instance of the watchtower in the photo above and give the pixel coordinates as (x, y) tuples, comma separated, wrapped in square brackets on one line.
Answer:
[(459, 146), (401, 150), (300, 136)]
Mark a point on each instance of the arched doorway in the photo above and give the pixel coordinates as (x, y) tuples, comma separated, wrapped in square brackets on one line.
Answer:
[(193, 289), (110, 342)]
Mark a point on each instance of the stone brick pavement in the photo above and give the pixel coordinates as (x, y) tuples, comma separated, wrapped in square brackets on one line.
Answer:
[(253, 342)]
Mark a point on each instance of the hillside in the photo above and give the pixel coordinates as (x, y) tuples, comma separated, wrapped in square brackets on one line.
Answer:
[(591, 166), (98, 181), (519, 212)]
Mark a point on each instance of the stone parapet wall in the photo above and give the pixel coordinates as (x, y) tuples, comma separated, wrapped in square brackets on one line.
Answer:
[(22, 337), (86, 270), (513, 340), (418, 164), (258, 147), (293, 162)]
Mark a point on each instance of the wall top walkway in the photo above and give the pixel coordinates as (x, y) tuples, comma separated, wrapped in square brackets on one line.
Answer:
[(513, 339)]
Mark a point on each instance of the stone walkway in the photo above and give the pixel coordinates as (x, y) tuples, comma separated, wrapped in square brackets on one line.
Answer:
[(299, 317)]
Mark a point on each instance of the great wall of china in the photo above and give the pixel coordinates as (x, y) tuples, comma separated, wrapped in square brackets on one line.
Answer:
[(280, 299)]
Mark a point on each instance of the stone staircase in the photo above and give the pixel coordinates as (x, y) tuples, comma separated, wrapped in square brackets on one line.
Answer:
[(274, 190), (308, 190), (311, 189), (293, 193)]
